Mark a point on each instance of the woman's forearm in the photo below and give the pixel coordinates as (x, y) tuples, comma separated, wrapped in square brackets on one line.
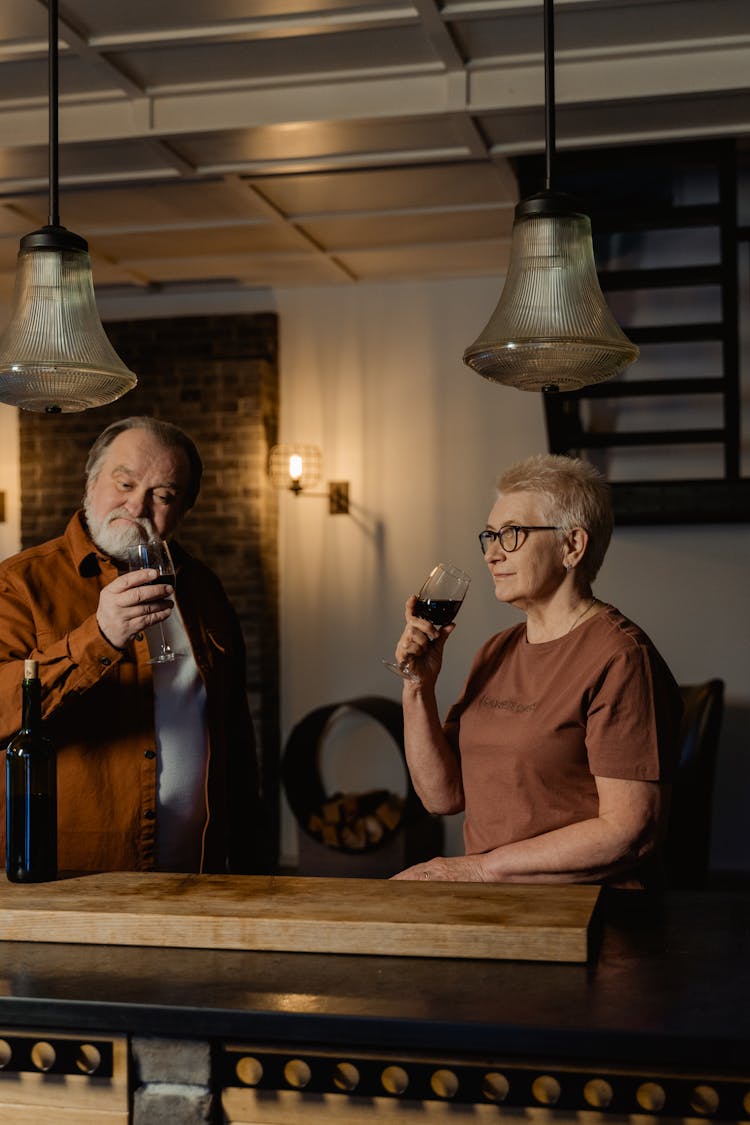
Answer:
[(579, 853), (586, 852), (433, 766), (629, 824)]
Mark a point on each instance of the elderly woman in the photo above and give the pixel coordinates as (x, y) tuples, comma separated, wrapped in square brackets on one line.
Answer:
[(562, 746)]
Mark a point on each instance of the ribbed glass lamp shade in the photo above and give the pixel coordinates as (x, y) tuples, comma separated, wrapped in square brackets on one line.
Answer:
[(551, 329), (54, 355)]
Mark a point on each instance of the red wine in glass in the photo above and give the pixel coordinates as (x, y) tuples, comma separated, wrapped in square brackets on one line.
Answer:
[(438, 611), (161, 579), (155, 555), (438, 601)]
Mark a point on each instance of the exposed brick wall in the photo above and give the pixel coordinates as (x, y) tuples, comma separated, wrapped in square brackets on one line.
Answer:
[(217, 378)]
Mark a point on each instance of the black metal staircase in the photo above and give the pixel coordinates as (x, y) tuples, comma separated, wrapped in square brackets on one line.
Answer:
[(630, 193)]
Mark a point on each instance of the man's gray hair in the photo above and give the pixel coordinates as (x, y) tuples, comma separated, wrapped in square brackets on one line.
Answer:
[(167, 433)]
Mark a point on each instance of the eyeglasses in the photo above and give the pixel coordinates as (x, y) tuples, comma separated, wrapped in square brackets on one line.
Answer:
[(508, 536)]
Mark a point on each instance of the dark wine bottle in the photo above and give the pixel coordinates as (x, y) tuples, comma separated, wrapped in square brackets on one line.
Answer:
[(31, 792)]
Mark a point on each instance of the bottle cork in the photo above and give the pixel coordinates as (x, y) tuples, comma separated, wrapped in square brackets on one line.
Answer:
[(30, 669)]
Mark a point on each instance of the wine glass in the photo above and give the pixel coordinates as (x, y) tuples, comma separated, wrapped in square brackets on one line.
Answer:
[(155, 555), (438, 601)]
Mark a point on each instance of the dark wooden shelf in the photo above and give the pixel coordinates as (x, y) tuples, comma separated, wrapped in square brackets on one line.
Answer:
[(628, 220), (638, 388), (668, 278), (681, 501), (621, 438), (676, 333)]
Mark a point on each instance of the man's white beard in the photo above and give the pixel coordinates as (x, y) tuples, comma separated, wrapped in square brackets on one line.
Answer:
[(114, 541)]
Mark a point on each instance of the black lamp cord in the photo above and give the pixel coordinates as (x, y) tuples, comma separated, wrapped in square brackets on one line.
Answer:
[(549, 92), (54, 205)]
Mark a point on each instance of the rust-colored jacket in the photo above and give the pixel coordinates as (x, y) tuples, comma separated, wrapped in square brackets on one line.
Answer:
[(98, 707)]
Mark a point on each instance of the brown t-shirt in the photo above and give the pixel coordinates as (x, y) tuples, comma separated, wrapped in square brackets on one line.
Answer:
[(538, 722)]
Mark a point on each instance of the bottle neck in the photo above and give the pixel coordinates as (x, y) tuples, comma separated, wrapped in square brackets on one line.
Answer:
[(32, 705)]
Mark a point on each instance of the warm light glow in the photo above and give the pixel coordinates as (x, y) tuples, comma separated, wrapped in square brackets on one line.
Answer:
[(294, 466)]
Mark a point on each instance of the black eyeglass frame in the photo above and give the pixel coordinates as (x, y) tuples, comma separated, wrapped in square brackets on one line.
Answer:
[(488, 536)]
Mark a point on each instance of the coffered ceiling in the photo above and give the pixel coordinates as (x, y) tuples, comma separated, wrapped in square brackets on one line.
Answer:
[(255, 143)]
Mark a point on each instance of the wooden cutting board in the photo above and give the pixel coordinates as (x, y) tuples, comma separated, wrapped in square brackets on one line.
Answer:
[(372, 916)]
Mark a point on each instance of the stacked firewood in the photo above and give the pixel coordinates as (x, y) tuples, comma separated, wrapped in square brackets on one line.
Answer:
[(356, 821)]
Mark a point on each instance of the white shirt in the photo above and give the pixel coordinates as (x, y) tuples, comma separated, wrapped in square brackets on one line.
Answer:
[(182, 751)]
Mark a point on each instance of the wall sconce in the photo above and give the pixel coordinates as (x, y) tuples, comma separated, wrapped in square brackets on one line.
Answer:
[(298, 468)]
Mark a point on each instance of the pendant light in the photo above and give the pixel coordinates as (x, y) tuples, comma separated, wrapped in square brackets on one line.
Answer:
[(552, 329), (54, 355)]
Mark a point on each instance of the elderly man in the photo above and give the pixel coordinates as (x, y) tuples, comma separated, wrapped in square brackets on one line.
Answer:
[(156, 763)]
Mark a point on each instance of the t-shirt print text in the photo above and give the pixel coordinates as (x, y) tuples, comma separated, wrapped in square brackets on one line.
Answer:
[(507, 704)]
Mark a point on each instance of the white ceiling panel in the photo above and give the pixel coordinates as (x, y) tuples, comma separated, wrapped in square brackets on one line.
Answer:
[(186, 205), (389, 189), (438, 260), (321, 144), (13, 222), (177, 66), (169, 19), (596, 27), (411, 229), (282, 269), (214, 241), (286, 142)]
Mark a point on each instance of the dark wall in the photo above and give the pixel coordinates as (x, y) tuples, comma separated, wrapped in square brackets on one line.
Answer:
[(217, 378)]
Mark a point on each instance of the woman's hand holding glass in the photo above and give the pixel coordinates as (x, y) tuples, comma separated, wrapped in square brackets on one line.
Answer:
[(419, 652)]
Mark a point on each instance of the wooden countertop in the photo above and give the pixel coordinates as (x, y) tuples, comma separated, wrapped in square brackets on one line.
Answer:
[(670, 983), (363, 916)]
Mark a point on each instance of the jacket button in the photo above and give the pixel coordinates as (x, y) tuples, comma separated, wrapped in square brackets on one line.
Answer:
[(149, 814), (105, 661), (149, 753), (139, 636)]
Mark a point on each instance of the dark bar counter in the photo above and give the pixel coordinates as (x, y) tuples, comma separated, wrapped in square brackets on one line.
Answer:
[(664, 1000)]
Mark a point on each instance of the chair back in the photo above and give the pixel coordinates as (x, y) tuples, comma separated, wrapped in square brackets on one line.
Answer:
[(687, 844)]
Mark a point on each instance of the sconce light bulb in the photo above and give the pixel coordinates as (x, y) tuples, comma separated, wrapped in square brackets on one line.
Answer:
[(295, 466)]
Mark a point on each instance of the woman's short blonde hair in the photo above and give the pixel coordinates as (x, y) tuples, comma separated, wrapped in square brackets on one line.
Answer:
[(575, 494)]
